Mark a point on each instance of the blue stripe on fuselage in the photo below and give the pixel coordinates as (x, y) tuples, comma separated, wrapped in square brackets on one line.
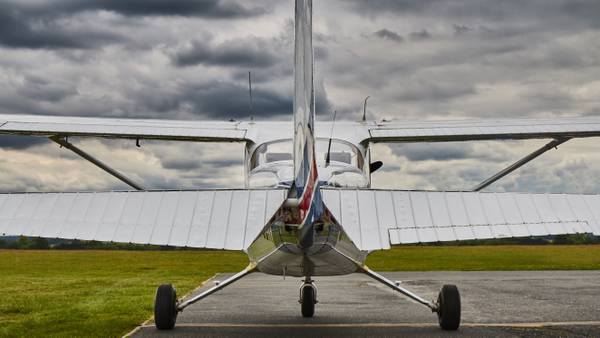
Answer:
[(307, 229)]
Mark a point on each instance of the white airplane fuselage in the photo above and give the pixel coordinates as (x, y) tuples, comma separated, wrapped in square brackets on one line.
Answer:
[(286, 246), (303, 238)]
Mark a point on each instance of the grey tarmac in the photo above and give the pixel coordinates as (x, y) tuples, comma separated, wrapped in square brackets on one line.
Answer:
[(499, 304)]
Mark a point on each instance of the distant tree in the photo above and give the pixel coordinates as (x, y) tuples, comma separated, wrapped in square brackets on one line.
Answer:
[(40, 243), (2, 244), (23, 243)]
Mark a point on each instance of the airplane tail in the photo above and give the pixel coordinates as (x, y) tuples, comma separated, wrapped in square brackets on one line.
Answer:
[(305, 169)]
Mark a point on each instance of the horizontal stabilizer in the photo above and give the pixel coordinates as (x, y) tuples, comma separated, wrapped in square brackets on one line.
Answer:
[(376, 219), (215, 219)]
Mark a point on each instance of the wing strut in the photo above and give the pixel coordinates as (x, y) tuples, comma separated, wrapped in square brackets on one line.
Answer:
[(64, 143), (553, 144)]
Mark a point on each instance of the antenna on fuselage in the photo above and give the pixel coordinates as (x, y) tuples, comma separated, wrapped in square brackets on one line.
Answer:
[(327, 157), (364, 117), (251, 112)]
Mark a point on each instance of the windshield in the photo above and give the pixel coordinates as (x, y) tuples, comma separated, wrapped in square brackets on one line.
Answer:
[(342, 153)]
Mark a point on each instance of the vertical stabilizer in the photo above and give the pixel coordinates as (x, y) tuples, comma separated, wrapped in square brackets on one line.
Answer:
[(305, 170)]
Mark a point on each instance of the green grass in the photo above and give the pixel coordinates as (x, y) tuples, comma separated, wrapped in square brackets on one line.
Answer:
[(108, 293), (487, 258), (95, 293)]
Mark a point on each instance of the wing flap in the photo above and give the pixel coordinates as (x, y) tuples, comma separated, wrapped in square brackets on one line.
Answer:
[(406, 217), (215, 219)]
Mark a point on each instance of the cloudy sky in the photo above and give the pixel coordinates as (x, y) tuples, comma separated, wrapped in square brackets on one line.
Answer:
[(184, 59)]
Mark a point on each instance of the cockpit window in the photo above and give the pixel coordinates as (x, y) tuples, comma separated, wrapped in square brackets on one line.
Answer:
[(342, 153), (342, 157), (274, 157), (279, 151), (272, 152)]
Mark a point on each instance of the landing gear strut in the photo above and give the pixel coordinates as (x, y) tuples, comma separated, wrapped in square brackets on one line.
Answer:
[(308, 297), (166, 306), (447, 306)]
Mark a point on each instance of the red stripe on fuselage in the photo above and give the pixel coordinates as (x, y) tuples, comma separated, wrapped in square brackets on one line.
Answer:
[(307, 195)]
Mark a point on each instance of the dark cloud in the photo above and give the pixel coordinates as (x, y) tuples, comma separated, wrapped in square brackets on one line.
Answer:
[(50, 25), (461, 29), (20, 142), (434, 91), (436, 152), (37, 88), (486, 59), (488, 152), (181, 163), (226, 100), (248, 53), (421, 35), (217, 100), (585, 11), (217, 9), (392, 6), (197, 162), (210, 9), (20, 30), (389, 35), (221, 100)]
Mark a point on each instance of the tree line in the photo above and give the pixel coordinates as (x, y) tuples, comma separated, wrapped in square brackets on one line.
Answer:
[(38, 243)]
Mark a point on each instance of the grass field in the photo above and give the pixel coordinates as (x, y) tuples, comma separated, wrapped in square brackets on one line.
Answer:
[(108, 293), (487, 258)]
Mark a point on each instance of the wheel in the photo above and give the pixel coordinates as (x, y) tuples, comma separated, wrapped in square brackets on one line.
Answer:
[(308, 301), (449, 308), (165, 307)]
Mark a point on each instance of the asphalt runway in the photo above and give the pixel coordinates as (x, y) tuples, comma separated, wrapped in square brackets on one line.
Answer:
[(502, 304)]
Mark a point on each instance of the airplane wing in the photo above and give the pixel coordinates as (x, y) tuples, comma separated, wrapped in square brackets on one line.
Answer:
[(47, 126), (489, 129), (357, 132), (216, 219), (376, 219)]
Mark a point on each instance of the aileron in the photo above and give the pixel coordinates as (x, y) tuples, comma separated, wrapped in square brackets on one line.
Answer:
[(47, 126), (472, 130)]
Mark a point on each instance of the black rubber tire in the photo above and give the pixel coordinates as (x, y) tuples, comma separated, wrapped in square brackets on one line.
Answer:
[(449, 308), (165, 307), (308, 301)]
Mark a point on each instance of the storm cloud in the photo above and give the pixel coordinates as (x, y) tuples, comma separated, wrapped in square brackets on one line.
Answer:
[(61, 25), (187, 59), (247, 53), (221, 9), (21, 142), (219, 100), (19, 29), (388, 34)]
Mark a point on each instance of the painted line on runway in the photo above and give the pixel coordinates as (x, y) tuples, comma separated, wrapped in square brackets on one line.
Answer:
[(379, 325)]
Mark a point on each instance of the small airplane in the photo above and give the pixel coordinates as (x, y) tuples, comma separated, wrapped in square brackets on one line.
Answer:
[(307, 209)]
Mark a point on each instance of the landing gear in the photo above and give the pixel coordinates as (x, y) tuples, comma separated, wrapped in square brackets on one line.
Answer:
[(449, 307), (308, 297), (165, 307)]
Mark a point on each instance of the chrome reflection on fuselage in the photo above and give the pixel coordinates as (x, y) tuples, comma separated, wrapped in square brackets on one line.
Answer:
[(321, 247), (271, 165)]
